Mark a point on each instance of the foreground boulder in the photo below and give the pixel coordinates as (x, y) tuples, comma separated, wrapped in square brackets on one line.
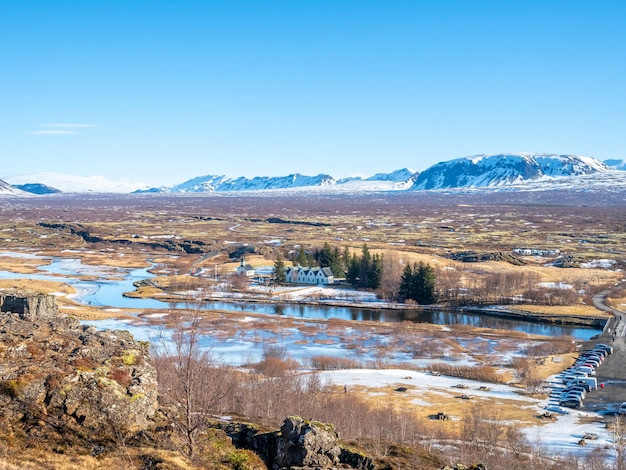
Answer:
[(307, 444), (55, 371), (300, 443)]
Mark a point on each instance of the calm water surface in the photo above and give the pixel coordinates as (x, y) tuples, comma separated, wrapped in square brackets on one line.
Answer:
[(109, 293)]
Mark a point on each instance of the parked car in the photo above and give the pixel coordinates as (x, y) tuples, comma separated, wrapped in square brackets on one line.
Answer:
[(622, 409), (599, 354), (568, 395), (588, 369), (595, 360), (576, 388), (590, 383), (571, 403), (606, 347), (588, 360)]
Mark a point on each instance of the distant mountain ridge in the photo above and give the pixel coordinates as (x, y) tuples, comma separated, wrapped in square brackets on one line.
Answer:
[(616, 164), (514, 171), (37, 188), (215, 183), (504, 169), (7, 190)]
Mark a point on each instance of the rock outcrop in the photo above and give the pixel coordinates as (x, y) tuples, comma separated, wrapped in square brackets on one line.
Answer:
[(300, 443), (55, 371), (307, 444)]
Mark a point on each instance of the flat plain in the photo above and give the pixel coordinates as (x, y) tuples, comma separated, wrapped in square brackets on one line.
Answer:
[(473, 240)]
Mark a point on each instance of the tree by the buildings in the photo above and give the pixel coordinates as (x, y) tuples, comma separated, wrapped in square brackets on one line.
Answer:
[(365, 266), (301, 259), (418, 283), (375, 271), (278, 274), (336, 263), (354, 266), (364, 271)]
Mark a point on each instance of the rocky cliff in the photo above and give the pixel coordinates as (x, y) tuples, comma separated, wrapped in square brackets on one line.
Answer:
[(58, 374)]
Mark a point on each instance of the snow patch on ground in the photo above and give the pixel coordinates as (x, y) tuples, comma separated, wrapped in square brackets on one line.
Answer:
[(599, 264), (559, 436)]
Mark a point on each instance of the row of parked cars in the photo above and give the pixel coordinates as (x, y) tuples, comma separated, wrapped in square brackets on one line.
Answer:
[(579, 379)]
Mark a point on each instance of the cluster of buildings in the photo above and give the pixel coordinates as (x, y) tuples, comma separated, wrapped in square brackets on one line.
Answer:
[(535, 252), (295, 274)]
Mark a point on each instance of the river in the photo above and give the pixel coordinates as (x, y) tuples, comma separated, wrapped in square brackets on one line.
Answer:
[(109, 293)]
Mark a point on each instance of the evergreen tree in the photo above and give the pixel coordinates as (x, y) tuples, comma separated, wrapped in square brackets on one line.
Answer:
[(301, 258), (406, 283), (354, 267), (427, 293), (365, 267), (375, 271), (346, 258), (279, 274), (336, 264), (326, 255), (418, 283)]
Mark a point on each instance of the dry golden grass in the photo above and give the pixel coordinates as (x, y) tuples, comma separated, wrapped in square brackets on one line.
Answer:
[(449, 401), (42, 458), (47, 287), (577, 310), (22, 265)]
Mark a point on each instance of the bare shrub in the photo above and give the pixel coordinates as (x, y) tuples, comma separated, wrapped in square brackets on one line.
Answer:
[(274, 367), (239, 282), (482, 373), (273, 351), (334, 363), (526, 374), (562, 345)]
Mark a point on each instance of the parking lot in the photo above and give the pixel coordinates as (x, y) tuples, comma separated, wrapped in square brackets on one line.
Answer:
[(612, 372)]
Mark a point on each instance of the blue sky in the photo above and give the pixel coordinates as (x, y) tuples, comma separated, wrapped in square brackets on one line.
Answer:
[(162, 91)]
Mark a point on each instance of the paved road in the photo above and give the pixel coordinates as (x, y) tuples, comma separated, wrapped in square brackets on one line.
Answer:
[(618, 322)]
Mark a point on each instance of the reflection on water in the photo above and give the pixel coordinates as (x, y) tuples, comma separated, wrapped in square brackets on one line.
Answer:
[(102, 292)]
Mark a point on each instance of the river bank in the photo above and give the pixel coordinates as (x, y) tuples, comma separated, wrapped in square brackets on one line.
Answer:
[(367, 301)]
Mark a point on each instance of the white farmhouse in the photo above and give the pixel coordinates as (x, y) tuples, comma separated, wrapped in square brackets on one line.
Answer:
[(303, 275)]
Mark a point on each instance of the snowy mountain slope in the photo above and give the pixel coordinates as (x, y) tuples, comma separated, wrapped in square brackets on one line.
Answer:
[(257, 183), (517, 172), (37, 188), (213, 183), (616, 164), (7, 190), (504, 169), (77, 184), (397, 176)]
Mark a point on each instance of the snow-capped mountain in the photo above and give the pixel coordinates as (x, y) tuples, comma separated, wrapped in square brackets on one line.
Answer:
[(7, 190), (77, 184), (37, 188), (397, 176), (213, 183), (504, 169), (616, 164)]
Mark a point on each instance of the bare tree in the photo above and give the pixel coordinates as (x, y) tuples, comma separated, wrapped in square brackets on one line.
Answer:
[(390, 276), (191, 382)]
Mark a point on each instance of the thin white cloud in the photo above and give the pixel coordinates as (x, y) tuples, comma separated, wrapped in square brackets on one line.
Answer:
[(70, 125), (52, 132)]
